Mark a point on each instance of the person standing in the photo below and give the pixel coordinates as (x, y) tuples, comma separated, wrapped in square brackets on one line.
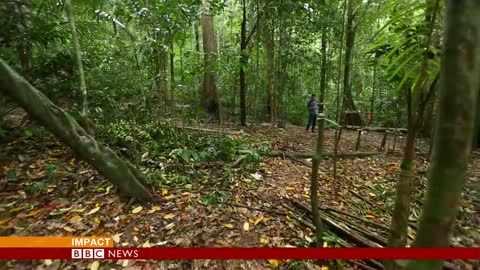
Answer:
[(312, 112)]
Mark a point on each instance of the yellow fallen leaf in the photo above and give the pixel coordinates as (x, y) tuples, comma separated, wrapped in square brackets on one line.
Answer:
[(289, 188), (77, 210), (154, 209), (75, 218), (169, 226), (68, 229), (274, 263), (137, 210), (125, 263), (267, 219), (258, 220), (263, 240), (146, 245), (169, 197), (97, 220), (116, 238), (164, 192), (229, 225), (16, 209), (48, 262), (288, 218), (370, 216), (169, 216), (95, 265), (100, 189), (5, 220), (93, 211), (324, 268), (246, 226)]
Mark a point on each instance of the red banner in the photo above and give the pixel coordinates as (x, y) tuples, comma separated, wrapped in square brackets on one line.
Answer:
[(240, 253)]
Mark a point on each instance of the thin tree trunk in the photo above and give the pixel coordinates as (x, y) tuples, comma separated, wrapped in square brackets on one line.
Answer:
[(314, 184), (271, 89), (338, 106), (84, 115), (172, 74), (243, 65), (122, 174), (372, 102), (458, 97), (323, 71)]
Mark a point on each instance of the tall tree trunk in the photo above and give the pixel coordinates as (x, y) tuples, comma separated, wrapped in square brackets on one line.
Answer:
[(271, 89), (458, 97), (84, 115), (401, 212), (323, 71), (209, 97), (162, 69), (337, 103), (122, 174), (243, 65), (172, 75), (372, 101), (348, 103), (197, 36)]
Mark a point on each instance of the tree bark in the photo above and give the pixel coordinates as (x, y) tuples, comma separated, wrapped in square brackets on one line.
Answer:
[(317, 157), (162, 67), (61, 124), (323, 71), (348, 103), (271, 85), (209, 97), (243, 65), (456, 111), (84, 115)]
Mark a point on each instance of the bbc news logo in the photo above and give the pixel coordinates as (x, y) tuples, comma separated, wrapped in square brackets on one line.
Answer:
[(100, 253), (86, 253)]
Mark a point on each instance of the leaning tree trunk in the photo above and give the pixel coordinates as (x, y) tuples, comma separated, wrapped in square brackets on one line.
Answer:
[(209, 97), (454, 128), (84, 115), (122, 174), (399, 226)]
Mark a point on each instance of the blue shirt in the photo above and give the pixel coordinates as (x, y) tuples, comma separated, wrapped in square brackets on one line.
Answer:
[(313, 107)]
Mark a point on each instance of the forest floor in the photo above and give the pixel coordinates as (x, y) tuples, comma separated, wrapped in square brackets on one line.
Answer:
[(250, 209)]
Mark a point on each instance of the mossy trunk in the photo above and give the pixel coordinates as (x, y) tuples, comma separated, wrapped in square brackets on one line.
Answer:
[(63, 126), (454, 128)]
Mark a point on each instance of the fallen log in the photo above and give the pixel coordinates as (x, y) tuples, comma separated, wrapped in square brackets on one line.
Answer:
[(206, 130), (64, 127), (377, 129), (310, 154)]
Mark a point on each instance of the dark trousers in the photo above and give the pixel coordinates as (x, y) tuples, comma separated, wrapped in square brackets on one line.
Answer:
[(312, 120)]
